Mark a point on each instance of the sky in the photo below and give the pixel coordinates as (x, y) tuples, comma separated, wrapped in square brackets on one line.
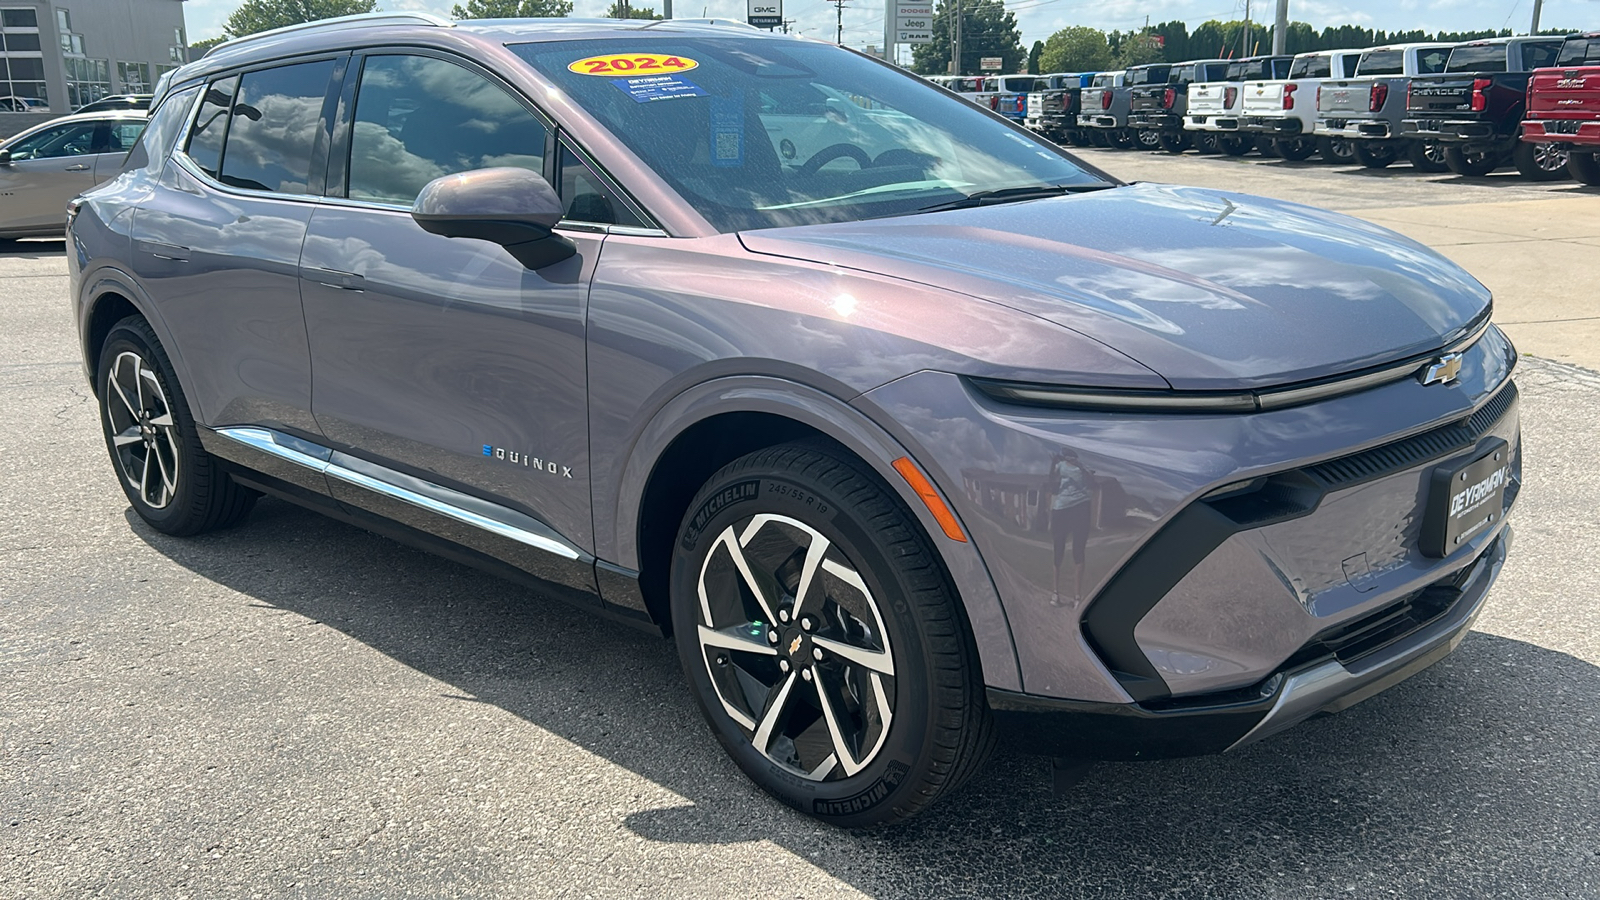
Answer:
[(1038, 19)]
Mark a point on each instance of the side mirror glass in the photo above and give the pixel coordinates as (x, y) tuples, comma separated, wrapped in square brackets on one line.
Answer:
[(514, 208)]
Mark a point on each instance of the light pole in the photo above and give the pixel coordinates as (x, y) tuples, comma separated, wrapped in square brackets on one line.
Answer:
[(1280, 28)]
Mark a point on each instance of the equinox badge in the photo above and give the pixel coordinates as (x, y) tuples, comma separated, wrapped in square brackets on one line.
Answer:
[(1443, 370)]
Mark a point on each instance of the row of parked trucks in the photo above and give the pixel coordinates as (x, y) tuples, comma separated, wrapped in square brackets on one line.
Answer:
[(1532, 102)]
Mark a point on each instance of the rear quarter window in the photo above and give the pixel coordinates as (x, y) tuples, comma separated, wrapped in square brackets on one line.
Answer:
[(162, 131)]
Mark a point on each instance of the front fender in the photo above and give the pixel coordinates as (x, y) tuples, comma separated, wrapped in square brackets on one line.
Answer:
[(857, 432)]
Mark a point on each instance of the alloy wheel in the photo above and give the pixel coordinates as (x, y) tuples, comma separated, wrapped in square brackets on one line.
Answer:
[(795, 647), (142, 429), (1550, 157)]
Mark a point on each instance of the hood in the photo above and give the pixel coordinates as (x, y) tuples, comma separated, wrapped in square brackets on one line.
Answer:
[(1209, 289)]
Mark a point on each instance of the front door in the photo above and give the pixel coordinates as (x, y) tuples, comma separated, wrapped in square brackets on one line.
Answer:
[(446, 361), (47, 169)]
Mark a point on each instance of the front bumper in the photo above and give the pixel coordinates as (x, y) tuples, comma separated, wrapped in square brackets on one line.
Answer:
[(1452, 130), (1325, 683), (1577, 132)]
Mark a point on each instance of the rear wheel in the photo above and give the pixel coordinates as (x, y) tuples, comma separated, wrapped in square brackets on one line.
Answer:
[(1584, 167), (1472, 162), (1148, 139), (1205, 143), (170, 480), (1124, 139), (1176, 141), (1540, 162), (1427, 156), (1079, 138), (823, 640), (1295, 148), (1336, 150), (1235, 144), (1375, 154)]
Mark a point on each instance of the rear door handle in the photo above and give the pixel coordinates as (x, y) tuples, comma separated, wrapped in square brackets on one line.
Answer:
[(163, 251), (80, 167), (344, 281)]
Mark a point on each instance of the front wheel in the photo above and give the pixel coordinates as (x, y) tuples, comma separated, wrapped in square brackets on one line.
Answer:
[(170, 480), (1427, 156), (1375, 154), (1472, 162), (823, 640), (1583, 167), (1295, 149), (1540, 162)]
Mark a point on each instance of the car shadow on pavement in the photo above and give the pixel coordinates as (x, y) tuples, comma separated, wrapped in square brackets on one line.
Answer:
[(1475, 778), (33, 249)]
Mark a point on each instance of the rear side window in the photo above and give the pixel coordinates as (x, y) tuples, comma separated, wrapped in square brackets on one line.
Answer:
[(276, 117), (1381, 62), (1280, 68), (1537, 56), (418, 118), (211, 125), (156, 141)]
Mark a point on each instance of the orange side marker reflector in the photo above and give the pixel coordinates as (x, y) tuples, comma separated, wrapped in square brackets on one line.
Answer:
[(930, 497)]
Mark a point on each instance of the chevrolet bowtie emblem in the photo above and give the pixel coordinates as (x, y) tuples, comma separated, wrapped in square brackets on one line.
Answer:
[(794, 645), (1443, 370)]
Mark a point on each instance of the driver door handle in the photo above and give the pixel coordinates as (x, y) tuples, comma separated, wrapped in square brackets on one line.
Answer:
[(80, 167)]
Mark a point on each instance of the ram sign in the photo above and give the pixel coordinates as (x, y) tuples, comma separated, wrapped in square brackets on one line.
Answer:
[(765, 13)]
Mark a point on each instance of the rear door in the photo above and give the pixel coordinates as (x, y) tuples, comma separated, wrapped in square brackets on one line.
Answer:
[(445, 361), (121, 134), (48, 168)]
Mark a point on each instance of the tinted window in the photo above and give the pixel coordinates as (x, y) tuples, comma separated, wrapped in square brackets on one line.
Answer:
[(726, 122), (211, 125), (587, 198), (418, 118), (1312, 67), (1146, 76), (1280, 68), (63, 140), (1579, 51), (19, 18), (1381, 62), (1180, 75), (162, 129), (1432, 61), (1537, 56), (1477, 58), (275, 123)]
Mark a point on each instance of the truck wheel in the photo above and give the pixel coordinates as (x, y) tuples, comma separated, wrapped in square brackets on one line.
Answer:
[(1584, 167), (1079, 138), (1236, 144), (1098, 137), (1205, 143), (1149, 139), (1124, 139), (1296, 148), (1176, 141), (1427, 156), (1471, 162), (1336, 150), (1375, 154), (1266, 147), (1540, 162), (823, 640)]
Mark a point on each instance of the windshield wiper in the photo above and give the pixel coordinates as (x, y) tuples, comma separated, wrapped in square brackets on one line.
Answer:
[(1012, 195)]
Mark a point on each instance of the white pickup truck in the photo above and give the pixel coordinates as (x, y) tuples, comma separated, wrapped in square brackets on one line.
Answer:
[(1216, 106), (1368, 108), (1285, 111)]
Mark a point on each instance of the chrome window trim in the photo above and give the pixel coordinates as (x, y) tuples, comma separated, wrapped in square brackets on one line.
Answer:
[(448, 503)]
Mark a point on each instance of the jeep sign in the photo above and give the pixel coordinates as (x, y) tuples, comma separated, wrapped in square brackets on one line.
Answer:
[(765, 13)]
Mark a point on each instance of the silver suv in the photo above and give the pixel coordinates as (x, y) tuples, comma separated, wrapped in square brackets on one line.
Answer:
[(906, 425)]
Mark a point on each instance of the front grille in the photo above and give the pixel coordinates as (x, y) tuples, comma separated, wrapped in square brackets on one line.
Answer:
[(1348, 471)]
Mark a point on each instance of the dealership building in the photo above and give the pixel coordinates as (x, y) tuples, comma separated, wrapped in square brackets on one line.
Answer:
[(56, 57)]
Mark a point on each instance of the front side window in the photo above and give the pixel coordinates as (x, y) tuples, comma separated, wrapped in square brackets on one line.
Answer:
[(586, 198), (418, 118), (276, 117), (766, 133), (211, 125), (76, 139)]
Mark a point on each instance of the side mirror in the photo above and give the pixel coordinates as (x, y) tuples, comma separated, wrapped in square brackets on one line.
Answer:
[(514, 208), (5, 157)]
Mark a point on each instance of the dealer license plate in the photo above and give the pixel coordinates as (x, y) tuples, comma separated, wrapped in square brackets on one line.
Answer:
[(1466, 498)]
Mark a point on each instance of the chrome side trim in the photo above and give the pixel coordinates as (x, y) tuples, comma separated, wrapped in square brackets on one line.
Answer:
[(441, 501)]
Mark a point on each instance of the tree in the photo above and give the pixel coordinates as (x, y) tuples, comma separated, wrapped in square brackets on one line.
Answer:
[(254, 16), (615, 11), (512, 9), (1078, 48), (199, 49), (1137, 48), (1033, 58), (987, 29)]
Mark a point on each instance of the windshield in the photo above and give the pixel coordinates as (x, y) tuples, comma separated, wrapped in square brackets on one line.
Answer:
[(766, 133), (1477, 58)]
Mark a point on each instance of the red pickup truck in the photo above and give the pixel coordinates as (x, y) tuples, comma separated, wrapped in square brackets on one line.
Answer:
[(1564, 105)]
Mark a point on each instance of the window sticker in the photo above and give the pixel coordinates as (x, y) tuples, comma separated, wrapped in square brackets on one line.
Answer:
[(727, 131), (613, 64), (657, 87)]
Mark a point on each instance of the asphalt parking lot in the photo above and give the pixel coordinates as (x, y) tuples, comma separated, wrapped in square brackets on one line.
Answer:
[(297, 708)]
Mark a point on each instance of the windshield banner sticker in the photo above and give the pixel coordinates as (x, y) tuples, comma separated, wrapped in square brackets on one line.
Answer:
[(657, 87), (614, 64)]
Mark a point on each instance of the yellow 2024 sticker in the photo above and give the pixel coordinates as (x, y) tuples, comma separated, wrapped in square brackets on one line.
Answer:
[(613, 65)]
